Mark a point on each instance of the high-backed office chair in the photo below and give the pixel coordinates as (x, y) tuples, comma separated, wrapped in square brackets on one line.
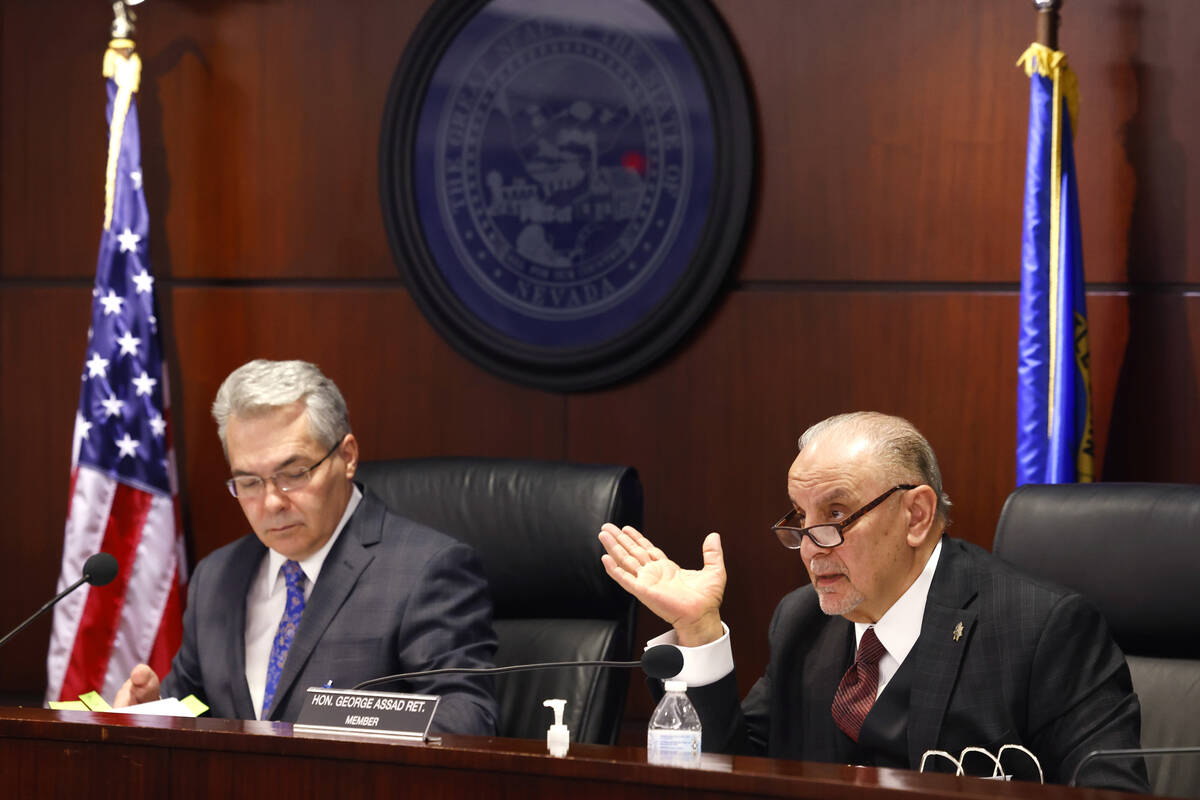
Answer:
[(1133, 550), (534, 524)]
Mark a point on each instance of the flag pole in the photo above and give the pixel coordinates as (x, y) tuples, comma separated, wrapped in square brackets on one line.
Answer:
[(1047, 22), (123, 497), (1054, 419)]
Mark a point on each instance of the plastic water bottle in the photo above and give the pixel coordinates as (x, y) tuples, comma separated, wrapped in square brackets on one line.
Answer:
[(673, 736)]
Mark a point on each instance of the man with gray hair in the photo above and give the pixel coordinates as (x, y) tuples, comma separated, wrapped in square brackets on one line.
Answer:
[(332, 588), (905, 640)]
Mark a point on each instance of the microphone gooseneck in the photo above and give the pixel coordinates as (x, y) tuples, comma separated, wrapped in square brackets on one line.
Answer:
[(661, 661), (97, 570), (1129, 752)]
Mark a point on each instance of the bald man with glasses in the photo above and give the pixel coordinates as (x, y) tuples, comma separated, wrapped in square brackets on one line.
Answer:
[(331, 588), (904, 640)]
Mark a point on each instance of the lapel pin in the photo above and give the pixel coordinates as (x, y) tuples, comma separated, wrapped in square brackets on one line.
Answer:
[(958, 631)]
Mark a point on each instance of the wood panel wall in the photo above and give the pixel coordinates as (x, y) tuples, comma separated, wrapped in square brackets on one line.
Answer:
[(879, 270)]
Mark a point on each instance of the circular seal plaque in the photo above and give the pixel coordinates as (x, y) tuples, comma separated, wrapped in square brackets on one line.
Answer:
[(565, 182)]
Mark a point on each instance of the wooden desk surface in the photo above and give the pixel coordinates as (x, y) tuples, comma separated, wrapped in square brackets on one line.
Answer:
[(80, 754)]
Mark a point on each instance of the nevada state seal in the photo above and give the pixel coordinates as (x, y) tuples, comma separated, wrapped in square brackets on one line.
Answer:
[(558, 179)]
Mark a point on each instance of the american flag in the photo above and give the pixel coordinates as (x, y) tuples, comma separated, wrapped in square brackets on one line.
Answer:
[(123, 487)]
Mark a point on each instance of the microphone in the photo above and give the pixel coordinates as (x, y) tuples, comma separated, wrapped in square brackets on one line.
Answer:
[(97, 570), (661, 661), (1129, 752)]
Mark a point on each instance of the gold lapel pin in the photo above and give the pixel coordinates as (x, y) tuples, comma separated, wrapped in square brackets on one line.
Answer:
[(958, 631)]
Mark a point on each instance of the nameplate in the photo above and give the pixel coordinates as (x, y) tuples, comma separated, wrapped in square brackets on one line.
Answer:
[(398, 716)]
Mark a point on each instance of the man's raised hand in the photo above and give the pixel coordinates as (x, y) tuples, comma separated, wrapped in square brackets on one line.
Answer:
[(687, 599)]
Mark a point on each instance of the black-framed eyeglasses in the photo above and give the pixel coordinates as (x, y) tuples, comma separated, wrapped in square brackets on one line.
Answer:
[(827, 534), (249, 487)]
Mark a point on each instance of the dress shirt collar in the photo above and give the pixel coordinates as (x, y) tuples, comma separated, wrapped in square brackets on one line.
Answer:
[(311, 566), (900, 625)]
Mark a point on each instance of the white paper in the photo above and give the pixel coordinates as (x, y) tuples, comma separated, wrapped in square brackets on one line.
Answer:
[(167, 707)]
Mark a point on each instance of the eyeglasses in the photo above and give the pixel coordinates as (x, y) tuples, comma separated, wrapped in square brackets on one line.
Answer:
[(828, 534), (247, 487)]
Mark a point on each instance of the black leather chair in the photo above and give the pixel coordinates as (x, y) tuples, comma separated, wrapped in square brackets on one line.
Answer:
[(1133, 550), (534, 524)]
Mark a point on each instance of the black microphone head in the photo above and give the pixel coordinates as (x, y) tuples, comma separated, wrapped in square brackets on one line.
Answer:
[(100, 569), (663, 661)]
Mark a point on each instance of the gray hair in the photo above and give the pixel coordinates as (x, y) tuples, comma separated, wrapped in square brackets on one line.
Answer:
[(261, 385), (902, 451)]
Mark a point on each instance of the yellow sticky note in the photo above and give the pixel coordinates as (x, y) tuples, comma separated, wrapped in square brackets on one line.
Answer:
[(68, 705), (94, 702), (194, 705)]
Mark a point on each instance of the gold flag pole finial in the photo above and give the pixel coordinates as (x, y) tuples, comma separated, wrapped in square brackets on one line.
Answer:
[(123, 66)]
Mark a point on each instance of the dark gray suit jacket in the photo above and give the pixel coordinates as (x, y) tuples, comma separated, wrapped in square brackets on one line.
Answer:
[(1035, 665), (393, 596)]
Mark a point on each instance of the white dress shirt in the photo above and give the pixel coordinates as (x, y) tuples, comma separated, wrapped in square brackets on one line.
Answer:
[(898, 630), (266, 600), (900, 626)]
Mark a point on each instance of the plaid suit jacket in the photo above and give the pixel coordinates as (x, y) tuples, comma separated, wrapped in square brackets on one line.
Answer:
[(393, 596), (1034, 665)]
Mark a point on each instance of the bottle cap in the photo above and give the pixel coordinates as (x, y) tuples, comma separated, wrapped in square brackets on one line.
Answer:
[(675, 686)]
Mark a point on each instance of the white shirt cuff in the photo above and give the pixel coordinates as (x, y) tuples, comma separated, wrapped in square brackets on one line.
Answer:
[(702, 665)]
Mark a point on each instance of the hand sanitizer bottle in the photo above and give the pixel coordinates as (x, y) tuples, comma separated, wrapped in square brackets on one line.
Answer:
[(558, 736)]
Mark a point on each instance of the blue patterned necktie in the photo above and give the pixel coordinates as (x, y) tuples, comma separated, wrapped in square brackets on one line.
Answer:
[(287, 630)]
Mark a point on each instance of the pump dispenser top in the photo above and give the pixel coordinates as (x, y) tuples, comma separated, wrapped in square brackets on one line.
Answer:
[(558, 736)]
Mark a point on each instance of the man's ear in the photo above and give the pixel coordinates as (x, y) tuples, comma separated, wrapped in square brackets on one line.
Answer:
[(349, 454), (921, 504)]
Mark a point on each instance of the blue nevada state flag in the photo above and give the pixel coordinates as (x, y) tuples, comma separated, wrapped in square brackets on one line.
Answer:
[(1054, 417)]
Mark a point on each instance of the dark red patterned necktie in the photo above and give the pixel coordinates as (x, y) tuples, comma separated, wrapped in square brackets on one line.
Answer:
[(856, 693)]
